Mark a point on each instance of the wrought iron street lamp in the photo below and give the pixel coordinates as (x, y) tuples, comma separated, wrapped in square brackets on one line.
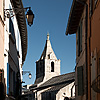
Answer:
[(30, 17), (10, 13)]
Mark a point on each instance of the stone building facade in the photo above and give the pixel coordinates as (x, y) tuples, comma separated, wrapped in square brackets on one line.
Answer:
[(48, 65), (85, 23)]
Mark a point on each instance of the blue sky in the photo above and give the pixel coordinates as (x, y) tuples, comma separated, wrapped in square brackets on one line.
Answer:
[(50, 16)]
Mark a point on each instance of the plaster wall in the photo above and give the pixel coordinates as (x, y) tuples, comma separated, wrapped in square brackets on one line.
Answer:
[(65, 92), (14, 62), (95, 47), (48, 73), (1, 36)]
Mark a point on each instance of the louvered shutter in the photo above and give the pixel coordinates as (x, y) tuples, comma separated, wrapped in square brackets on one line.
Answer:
[(79, 41), (80, 80), (91, 7), (81, 36)]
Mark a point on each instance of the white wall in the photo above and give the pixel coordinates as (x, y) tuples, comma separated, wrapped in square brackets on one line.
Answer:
[(67, 90), (6, 40)]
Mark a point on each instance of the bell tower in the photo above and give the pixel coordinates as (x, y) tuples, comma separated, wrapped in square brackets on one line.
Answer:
[(48, 65)]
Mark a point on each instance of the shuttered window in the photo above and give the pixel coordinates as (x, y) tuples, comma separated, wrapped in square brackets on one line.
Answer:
[(80, 80), (95, 3), (91, 7), (80, 39)]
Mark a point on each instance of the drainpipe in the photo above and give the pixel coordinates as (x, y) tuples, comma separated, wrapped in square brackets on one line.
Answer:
[(86, 56)]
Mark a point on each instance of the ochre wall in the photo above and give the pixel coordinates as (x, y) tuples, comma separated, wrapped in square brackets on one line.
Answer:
[(93, 42)]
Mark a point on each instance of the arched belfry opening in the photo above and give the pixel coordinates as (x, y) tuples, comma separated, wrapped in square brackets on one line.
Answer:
[(52, 66)]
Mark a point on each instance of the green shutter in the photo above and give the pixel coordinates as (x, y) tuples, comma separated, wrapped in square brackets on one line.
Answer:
[(91, 7), (79, 41), (81, 36), (80, 80)]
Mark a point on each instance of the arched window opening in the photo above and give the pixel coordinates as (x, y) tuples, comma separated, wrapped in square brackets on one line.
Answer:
[(52, 66), (49, 56)]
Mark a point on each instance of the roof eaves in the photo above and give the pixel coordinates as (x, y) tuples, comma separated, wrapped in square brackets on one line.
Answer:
[(74, 16), (22, 26)]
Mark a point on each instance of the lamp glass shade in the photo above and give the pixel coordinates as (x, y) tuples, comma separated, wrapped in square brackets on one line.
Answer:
[(30, 75), (30, 17)]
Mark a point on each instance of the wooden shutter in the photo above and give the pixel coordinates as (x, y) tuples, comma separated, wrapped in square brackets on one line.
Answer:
[(79, 41), (80, 80), (95, 3), (91, 7), (81, 36)]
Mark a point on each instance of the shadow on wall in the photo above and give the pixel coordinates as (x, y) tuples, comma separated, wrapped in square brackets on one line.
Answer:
[(2, 85)]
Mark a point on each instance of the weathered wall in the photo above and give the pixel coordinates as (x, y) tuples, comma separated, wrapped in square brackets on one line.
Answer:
[(95, 47), (80, 59), (67, 90)]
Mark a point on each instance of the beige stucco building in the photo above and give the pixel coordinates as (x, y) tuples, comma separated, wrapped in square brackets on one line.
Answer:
[(2, 80), (13, 48)]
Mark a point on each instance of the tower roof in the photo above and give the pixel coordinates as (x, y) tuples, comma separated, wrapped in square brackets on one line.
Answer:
[(48, 51)]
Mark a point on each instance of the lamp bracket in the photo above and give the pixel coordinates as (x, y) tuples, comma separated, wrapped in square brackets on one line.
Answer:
[(10, 12), (24, 72)]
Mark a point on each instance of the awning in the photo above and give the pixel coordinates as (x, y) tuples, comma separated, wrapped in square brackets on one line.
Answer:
[(74, 16), (22, 26)]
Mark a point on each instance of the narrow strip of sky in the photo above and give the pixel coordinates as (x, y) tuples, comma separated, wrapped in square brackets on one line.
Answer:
[(50, 16)]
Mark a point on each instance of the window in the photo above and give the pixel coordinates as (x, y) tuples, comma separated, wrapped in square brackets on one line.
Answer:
[(48, 56), (93, 4), (80, 80), (80, 39), (11, 28), (91, 7), (52, 66)]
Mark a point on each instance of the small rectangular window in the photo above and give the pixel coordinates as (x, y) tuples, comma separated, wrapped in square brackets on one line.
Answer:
[(11, 28), (95, 3), (91, 7)]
